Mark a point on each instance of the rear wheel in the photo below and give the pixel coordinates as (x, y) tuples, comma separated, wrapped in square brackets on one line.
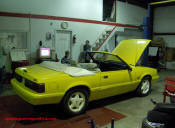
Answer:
[(144, 87), (75, 101)]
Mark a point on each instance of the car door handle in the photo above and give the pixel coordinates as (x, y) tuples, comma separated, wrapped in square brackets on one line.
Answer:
[(105, 77)]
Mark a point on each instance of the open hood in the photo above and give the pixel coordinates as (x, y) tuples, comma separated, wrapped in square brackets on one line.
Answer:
[(131, 50)]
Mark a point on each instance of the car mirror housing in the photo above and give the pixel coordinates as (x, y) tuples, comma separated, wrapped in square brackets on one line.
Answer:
[(129, 68)]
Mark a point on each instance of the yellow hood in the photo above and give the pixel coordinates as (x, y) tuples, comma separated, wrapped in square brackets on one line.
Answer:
[(131, 50)]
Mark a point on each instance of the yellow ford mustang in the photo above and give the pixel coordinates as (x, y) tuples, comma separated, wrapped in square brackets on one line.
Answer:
[(74, 85)]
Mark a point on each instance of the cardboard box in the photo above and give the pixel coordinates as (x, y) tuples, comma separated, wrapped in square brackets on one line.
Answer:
[(158, 42), (170, 65), (170, 54)]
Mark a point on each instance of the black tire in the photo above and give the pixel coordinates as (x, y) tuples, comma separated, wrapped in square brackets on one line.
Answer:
[(67, 101), (140, 92), (38, 108)]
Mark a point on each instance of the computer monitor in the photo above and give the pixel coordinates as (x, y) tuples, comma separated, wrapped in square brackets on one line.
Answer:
[(45, 53)]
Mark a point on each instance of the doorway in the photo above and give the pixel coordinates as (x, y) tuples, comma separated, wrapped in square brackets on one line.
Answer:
[(63, 39)]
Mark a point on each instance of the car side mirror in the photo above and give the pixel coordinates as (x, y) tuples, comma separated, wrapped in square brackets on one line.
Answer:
[(129, 68)]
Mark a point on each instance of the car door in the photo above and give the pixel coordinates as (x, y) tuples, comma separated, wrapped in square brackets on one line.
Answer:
[(116, 80)]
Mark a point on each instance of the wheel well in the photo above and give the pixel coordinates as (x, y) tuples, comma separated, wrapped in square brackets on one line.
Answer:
[(149, 76), (80, 87)]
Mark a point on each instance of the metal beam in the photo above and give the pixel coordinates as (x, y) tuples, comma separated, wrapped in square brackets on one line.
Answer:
[(164, 34), (162, 2)]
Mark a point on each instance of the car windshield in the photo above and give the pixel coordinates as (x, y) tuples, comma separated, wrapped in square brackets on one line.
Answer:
[(107, 62), (96, 56)]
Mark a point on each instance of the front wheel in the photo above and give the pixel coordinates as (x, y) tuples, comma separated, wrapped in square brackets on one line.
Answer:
[(144, 87), (75, 101)]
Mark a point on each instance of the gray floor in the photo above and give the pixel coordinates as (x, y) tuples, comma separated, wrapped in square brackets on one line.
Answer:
[(7, 90), (135, 108)]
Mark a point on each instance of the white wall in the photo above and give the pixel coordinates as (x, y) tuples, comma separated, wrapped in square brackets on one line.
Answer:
[(14, 24), (130, 14), (164, 22), (164, 19), (84, 9), (83, 31), (39, 27), (130, 34)]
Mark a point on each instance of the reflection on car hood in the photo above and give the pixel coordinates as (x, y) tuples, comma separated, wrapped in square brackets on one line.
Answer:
[(131, 50), (36, 72)]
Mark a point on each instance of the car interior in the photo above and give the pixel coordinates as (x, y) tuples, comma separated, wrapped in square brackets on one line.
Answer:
[(101, 66), (111, 65)]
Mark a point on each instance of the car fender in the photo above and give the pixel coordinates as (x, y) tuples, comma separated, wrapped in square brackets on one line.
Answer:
[(78, 83), (145, 74)]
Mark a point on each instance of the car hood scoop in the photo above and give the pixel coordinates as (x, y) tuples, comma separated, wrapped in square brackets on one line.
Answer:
[(73, 71)]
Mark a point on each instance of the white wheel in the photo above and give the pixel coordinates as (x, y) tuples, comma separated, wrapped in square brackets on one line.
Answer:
[(144, 87), (76, 101)]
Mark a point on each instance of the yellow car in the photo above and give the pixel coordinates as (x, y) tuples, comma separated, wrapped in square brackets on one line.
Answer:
[(74, 85)]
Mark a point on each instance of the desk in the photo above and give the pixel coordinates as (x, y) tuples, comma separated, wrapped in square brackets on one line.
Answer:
[(38, 61), (17, 64)]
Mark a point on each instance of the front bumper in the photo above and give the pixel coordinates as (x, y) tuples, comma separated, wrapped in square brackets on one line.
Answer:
[(35, 98)]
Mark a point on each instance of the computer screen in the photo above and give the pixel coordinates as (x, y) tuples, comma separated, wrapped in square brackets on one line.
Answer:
[(45, 52)]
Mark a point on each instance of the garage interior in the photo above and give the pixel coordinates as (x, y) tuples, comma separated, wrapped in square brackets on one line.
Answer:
[(58, 26)]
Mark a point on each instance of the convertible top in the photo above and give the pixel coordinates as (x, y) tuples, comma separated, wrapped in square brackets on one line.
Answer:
[(73, 71)]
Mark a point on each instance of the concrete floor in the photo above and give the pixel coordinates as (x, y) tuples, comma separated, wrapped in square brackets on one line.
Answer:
[(135, 108)]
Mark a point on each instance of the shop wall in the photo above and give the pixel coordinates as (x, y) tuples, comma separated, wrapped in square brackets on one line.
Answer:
[(36, 29), (130, 34), (14, 24), (129, 14), (83, 31), (164, 22), (84, 9)]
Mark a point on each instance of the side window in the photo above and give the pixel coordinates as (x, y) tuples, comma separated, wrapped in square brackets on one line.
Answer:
[(108, 62), (110, 65)]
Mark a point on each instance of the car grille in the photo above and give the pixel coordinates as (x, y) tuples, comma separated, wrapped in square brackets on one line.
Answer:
[(18, 77)]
